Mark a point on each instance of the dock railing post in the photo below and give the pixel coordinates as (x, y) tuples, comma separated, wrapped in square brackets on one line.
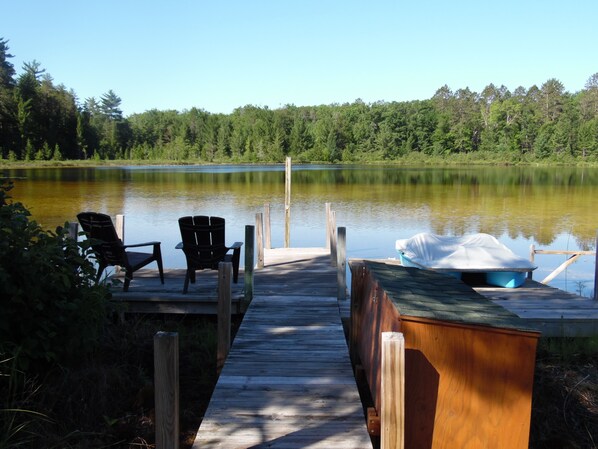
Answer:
[(333, 238), (328, 232), (267, 226), (341, 264), (249, 262), (259, 230), (532, 258), (166, 381), (392, 391), (596, 270), (73, 230), (225, 270), (119, 226), (287, 203)]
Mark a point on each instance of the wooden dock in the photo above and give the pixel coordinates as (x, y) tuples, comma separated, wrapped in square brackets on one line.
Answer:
[(288, 380)]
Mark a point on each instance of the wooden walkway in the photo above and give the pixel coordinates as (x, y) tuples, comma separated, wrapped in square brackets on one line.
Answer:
[(287, 382)]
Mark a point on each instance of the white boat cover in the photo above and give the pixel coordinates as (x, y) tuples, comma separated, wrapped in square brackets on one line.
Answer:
[(477, 252)]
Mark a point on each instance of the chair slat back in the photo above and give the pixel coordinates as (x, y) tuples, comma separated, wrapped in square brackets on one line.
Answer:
[(105, 242), (203, 240)]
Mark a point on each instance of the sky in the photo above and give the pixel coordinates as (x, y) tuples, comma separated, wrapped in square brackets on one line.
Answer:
[(218, 55)]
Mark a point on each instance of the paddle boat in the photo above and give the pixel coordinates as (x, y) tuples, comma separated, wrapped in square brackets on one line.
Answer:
[(456, 255)]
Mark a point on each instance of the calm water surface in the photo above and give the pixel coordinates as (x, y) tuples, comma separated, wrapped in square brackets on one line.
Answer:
[(553, 208)]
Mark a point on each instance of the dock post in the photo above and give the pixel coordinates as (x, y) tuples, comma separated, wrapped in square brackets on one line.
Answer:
[(287, 203), (596, 270), (333, 238), (119, 225), (73, 230), (249, 256), (225, 270), (267, 226), (392, 391), (166, 380), (259, 230), (328, 232), (532, 258), (341, 264)]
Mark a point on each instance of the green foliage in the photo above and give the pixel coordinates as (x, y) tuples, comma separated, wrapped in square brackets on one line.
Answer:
[(52, 311)]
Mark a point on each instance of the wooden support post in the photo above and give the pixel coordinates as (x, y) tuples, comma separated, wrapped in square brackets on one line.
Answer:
[(392, 391), (357, 297), (596, 270), (225, 270), (119, 225), (333, 238), (267, 227), (166, 381), (328, 231), (287, 203), (249, 263), (73, 230), (341, 264), (532, 258), (259, 229)]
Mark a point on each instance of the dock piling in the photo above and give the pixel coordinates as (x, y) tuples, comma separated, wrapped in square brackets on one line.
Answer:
[(166, 380)]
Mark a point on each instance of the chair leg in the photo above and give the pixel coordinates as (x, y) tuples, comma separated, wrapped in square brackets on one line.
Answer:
[(186, 285), (158, 253), (128, 279)]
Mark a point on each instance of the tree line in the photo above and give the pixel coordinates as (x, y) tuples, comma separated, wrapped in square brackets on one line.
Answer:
[(40, 120)]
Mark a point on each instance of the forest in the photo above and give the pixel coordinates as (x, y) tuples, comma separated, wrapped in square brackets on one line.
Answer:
[(42, 120)]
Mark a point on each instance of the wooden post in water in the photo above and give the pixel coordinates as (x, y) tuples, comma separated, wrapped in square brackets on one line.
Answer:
[(596, 270), (341, 264), (267, 228), (249, 264), (259, 229), (287, 203), (392, 391), (166, 382), (225, 270)]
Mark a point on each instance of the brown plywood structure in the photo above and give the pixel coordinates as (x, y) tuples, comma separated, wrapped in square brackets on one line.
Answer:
[(469, 363)]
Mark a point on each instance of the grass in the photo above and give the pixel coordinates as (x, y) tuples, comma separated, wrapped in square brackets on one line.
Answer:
[(106, 401)]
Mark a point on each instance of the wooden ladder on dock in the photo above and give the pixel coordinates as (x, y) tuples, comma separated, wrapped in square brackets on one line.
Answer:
[(288, 381)]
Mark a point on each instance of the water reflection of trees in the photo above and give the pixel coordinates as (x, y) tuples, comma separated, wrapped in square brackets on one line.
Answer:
[(521, 202)]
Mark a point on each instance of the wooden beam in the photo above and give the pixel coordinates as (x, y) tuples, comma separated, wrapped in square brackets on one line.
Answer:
[(249, 261), (561, 268), (596, 270), (392, 413), (166, 380), (328, 231), (333, 238), (287, 203), (119, 225), (341, 264), (225, 270), (259, 231), (267, 226)]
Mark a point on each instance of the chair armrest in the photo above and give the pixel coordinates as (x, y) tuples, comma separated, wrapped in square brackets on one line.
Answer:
[(136, 245), (236, 245), (179, 246)]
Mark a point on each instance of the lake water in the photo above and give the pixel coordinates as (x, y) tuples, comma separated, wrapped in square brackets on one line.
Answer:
[(552, 208)]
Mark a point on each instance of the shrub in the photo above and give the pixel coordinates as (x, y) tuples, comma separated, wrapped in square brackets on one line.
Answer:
[(52, 310)]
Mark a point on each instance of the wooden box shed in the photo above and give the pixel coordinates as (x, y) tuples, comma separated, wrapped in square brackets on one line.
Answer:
[(469, 363)]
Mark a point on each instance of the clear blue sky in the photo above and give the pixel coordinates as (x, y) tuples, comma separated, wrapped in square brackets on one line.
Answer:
[(221, 54)]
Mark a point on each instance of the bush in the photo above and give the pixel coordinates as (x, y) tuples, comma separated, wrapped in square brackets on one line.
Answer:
[(52, 310)]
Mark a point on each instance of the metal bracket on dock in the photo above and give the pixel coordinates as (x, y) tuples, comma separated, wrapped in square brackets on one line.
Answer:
[(373, 422)]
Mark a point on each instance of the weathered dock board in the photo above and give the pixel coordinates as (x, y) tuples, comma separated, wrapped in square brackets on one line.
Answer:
[(553, 312), (288, 381), (147, 295)]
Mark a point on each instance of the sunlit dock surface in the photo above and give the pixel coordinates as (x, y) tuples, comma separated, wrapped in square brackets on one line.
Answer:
[(288, 380)]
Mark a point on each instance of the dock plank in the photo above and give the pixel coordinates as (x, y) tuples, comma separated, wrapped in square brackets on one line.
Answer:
[(288, 382)]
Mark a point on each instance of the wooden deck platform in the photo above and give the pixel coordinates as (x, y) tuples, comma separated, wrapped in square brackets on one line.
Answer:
[(147, 295), (288, 381), (554, 312)]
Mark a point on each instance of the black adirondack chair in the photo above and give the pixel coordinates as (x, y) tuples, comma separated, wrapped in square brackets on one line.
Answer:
[(110, 250), (204, 247)]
